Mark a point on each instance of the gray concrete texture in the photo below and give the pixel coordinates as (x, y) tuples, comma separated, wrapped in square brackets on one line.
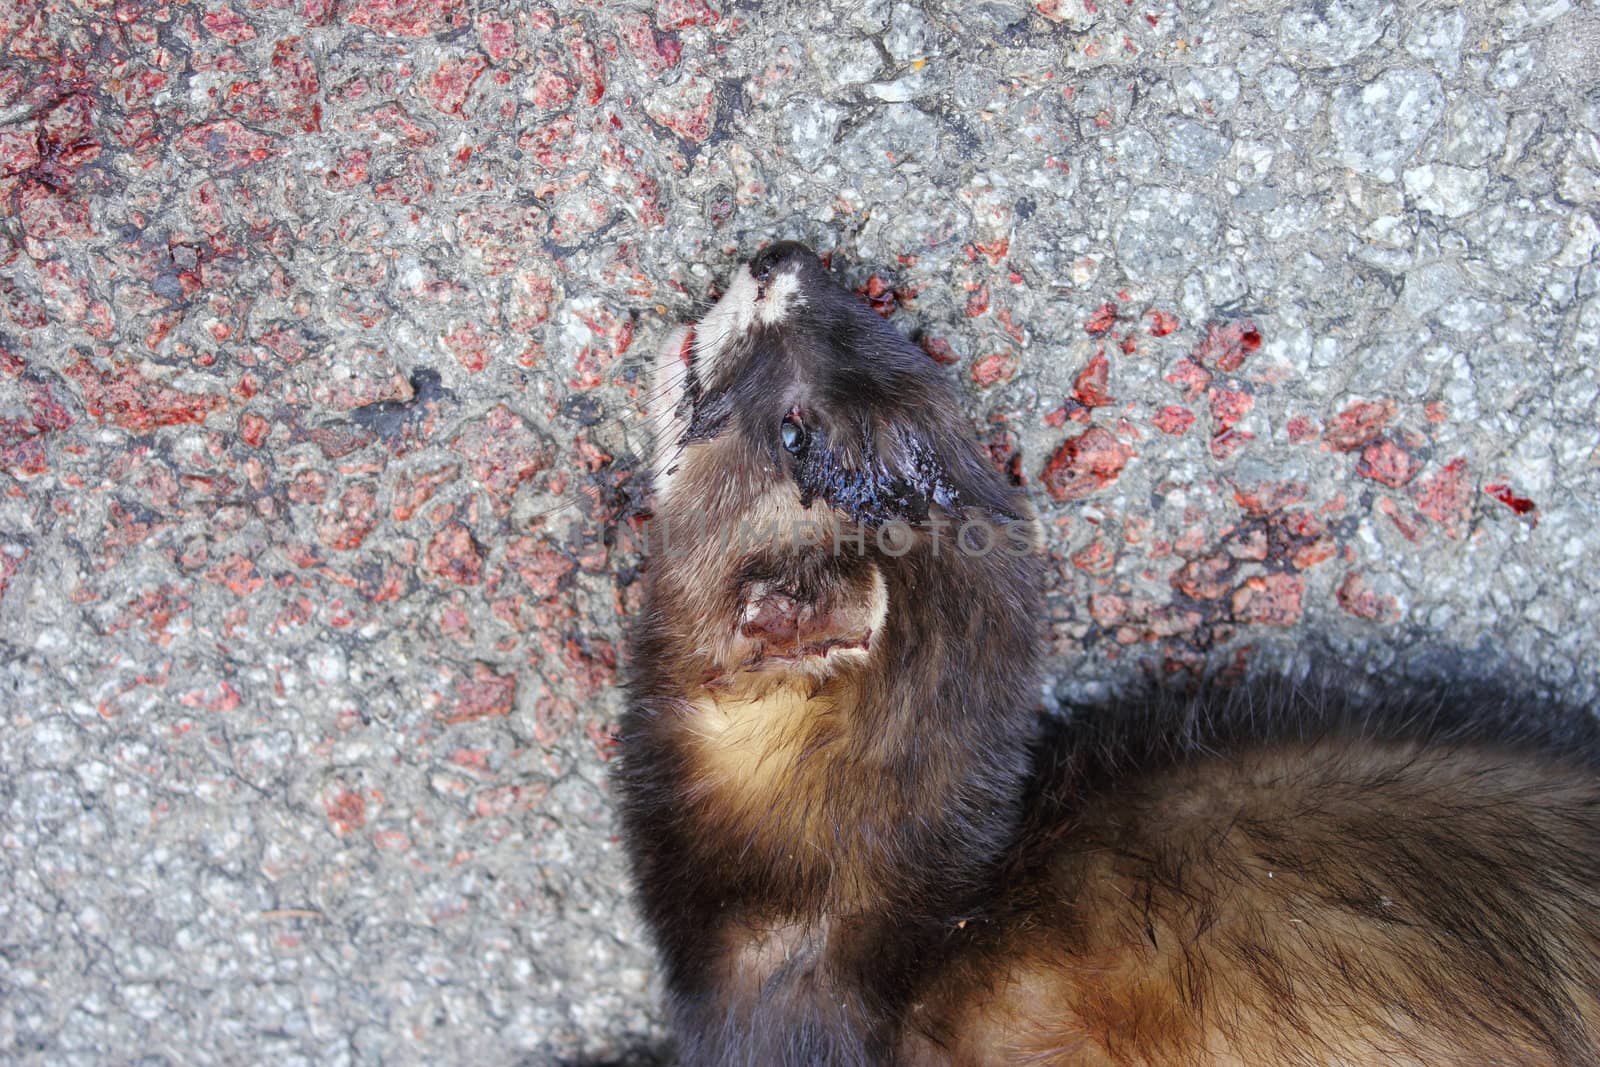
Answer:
[(320, 332)]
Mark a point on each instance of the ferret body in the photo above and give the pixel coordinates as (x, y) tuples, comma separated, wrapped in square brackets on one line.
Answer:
[(855, 842)]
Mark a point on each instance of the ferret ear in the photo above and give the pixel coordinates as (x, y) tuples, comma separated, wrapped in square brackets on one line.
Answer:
[(981, 487), (952, 473)]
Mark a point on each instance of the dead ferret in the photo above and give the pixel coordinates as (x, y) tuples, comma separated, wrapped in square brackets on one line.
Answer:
[(856, 841)]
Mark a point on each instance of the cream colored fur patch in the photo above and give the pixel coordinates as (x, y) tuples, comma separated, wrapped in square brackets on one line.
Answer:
[(665, 423), (726, 324)]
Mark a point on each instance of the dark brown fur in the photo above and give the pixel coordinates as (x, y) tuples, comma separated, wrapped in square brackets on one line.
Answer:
[(838, 843), (1282, 875)]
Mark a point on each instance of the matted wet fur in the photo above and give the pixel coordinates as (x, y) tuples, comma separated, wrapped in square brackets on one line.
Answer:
[(856, 842)]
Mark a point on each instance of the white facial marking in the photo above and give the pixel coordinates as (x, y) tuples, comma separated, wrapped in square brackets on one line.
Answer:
[(667, 426), (782, 292), (725, 324), (745, 304)]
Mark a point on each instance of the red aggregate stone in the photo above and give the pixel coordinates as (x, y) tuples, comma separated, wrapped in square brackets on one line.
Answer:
[(1386, 462), (126, 398), (1084, 464), (1272, 600), (408, 18), (503, 451), (347, 524), (1226, 345), (1090, 387), (541, 566), (1174, 420), (682, 14), (449, 86), (1357, 424), (1355, 597), (483, 695), (994, 368), (1104, 317), (1162, 323), (453, 555), (1191, 376), (1445, 496)]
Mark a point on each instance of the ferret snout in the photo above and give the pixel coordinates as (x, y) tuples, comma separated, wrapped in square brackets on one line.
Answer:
[(784, 257), (764, 292)]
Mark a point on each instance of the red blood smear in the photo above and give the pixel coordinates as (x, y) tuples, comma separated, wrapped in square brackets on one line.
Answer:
[(1090, 387), (1503, 493)]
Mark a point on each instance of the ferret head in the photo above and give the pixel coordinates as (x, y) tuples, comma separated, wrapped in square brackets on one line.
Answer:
[(804, 452)]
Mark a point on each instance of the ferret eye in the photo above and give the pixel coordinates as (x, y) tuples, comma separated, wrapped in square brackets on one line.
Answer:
[(761, 266), (793, 434)]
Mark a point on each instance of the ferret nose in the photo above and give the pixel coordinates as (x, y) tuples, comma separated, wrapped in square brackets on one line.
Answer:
[(774, 256)]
